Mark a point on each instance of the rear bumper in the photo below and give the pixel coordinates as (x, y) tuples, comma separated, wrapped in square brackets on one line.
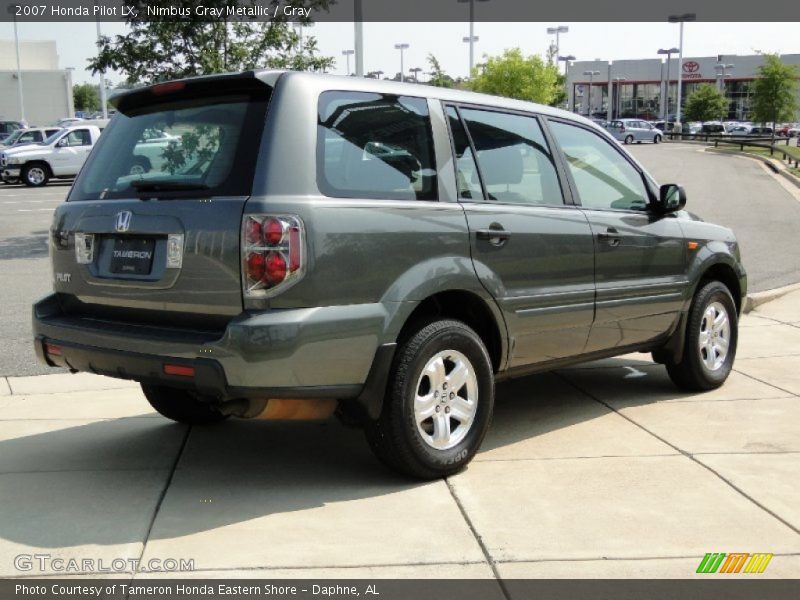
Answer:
[(303, 353)]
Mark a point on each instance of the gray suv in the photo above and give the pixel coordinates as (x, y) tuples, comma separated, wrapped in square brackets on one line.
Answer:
[(303, 243)]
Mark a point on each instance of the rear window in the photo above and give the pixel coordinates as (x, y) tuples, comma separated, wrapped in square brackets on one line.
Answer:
[(189, 146), (373, 145)]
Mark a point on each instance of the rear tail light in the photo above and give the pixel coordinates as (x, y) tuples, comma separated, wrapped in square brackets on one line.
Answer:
[(52, 349), (273, 254)]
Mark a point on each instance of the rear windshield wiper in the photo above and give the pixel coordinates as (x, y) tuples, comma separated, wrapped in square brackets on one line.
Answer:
[(166, 186)]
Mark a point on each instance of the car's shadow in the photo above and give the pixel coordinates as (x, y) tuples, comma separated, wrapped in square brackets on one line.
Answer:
[(33, 245), (100, 482)]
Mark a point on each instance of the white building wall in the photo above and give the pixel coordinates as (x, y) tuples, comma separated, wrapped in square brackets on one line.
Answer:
[(47, 96), (34, 55)]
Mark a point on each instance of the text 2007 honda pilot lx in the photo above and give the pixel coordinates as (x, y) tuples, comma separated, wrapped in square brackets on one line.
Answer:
[(389, 250)]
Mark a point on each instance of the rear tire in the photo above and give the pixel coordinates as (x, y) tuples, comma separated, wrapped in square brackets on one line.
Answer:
[(711, 338), (438, 404), (35, 175), (628, 139), (181, 406)]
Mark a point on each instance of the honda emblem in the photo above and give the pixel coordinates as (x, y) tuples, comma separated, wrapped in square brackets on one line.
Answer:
[(123, 221)]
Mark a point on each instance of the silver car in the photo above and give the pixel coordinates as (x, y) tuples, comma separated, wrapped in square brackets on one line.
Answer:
[(634, 130)]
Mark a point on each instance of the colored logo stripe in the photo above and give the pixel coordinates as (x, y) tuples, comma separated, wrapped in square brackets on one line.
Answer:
[(758, 563), (733, 563)]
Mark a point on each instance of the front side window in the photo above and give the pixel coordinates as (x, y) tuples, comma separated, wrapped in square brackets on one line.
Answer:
[(514, 160), (79, 137), (602, 175), (373, 145)]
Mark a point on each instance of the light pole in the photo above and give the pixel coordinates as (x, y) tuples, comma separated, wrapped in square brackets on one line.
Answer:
[(416, 71), (591, 75), (20, 98), (103, 106), (721, 75), (618, 97), (358, 25), (471, 38), (557, 31), (669, 52), (566, 60), (402, 47), (680, 19), (348, 54)]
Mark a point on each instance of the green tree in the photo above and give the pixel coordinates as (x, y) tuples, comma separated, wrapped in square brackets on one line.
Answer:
[(85, 97), (515, 75), (706, 103), (775, 92), (438, 77), (156, 49)]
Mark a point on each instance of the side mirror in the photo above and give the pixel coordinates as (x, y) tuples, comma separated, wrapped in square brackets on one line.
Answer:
[(62, 142), (671, 198)]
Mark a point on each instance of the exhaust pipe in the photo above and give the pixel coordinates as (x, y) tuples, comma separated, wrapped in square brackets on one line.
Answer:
[(279, 409)]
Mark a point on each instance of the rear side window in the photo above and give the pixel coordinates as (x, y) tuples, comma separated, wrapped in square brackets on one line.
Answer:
[(373, 145), (197, 144), (469, 184), (515, 163)]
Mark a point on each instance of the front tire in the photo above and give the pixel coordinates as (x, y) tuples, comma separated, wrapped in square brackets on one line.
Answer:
[(181, 405), (657, 139), (711, 338), (35, 175), (438, 404)]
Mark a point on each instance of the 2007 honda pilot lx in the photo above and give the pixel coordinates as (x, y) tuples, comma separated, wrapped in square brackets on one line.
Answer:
[(300, 241)]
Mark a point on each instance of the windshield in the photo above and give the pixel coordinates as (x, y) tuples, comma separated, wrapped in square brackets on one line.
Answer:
[(13, 137), (176, 148)]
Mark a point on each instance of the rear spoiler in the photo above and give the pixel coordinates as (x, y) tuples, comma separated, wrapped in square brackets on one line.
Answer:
[(193, 87)]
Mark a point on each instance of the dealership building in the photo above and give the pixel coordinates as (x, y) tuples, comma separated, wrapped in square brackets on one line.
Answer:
[(46, 89), (648, 88)]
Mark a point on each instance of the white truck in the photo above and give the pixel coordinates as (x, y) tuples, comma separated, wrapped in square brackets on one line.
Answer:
[(60, 156)]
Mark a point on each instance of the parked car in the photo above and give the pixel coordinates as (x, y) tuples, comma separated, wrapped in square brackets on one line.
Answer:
[(298, 261), (713, 128), (9, 127), (634, 130), (761, 131), (740, 129), (58, 157), (31, 135)]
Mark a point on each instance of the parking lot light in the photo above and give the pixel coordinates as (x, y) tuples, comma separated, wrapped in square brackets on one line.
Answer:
[(680, 19), (669, 52), (402, 47)]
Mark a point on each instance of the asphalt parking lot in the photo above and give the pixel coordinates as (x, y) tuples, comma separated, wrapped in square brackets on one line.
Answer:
[(603, 471)]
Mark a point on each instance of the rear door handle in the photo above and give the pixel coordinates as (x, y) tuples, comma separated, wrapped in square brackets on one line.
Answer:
[(495, 235), (611, 237)]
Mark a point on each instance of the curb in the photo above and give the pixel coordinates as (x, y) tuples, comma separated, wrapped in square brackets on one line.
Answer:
[(757, 299), (773, 165)]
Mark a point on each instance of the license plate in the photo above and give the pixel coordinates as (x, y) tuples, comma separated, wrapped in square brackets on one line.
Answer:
[(132, 256)]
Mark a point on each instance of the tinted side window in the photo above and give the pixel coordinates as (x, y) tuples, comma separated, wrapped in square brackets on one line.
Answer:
[(469, 185), (31, 136), (515, 162), (602, 175), (373, 145)]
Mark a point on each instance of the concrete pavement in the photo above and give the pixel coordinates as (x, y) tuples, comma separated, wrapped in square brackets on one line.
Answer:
[(605, 470)]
